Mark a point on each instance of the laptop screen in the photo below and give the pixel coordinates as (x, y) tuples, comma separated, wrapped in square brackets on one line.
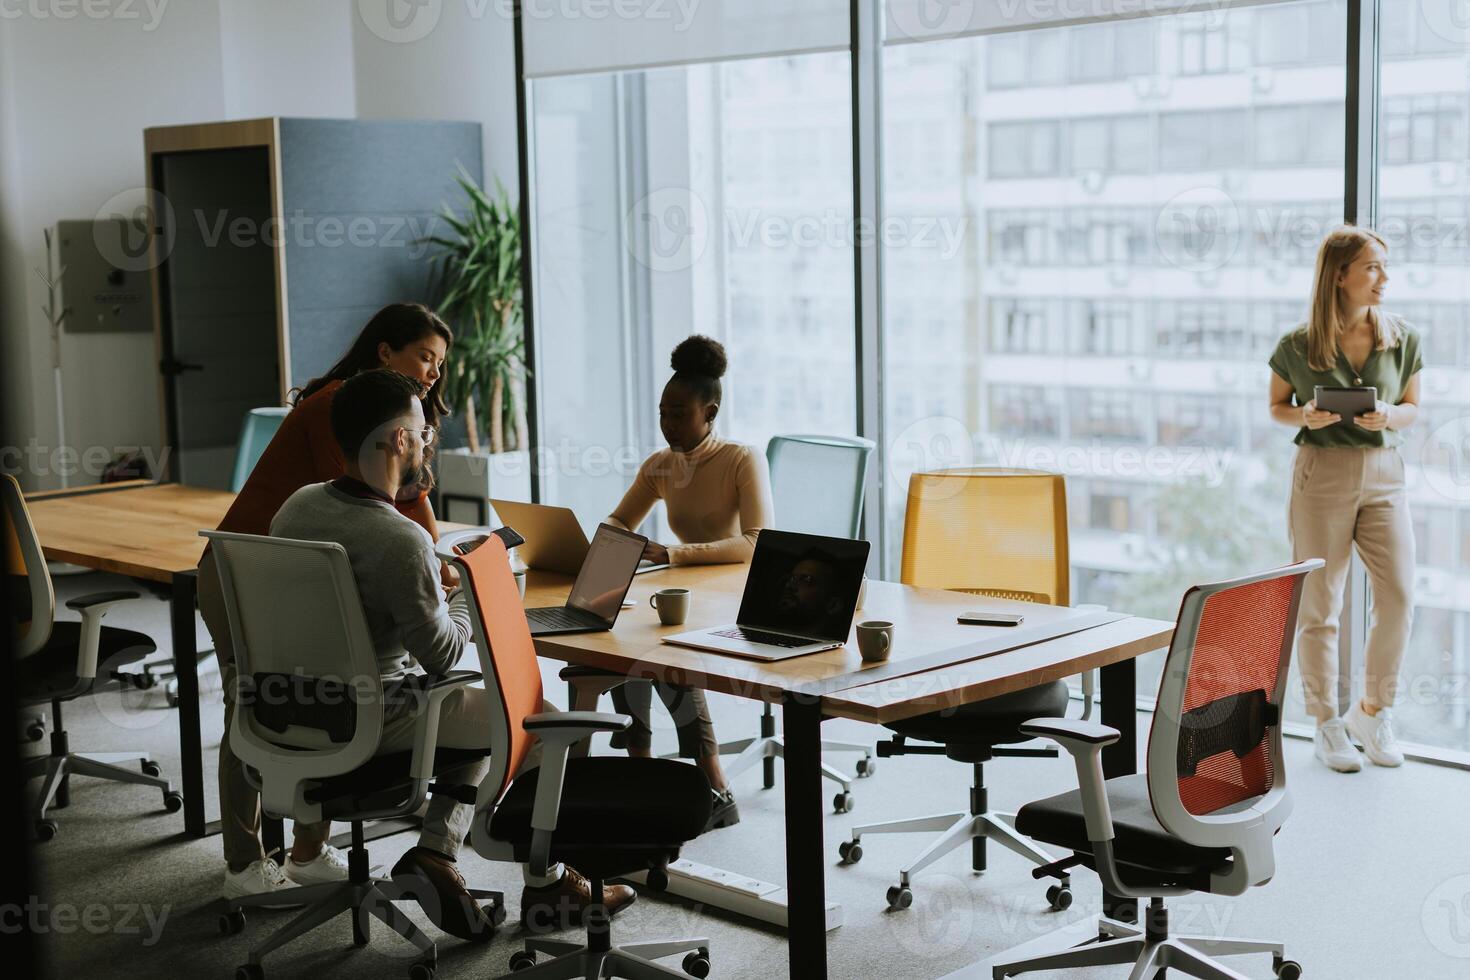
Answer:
[(608, 569), (804, 584)]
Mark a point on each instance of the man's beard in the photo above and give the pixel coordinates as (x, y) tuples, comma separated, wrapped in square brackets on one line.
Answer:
[(419, 474)]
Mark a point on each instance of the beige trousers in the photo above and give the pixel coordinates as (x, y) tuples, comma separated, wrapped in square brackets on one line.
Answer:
[(1341, 498)]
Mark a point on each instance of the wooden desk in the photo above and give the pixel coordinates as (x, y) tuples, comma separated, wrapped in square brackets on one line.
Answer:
[(935, 663), (150, 532)]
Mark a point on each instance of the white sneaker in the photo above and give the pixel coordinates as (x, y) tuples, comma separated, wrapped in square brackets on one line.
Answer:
[(1376, 733), (328, 866), (1333, 748), (260, 878)]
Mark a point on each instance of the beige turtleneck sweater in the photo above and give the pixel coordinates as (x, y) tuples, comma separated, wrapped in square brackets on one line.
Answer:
[(717, 495)]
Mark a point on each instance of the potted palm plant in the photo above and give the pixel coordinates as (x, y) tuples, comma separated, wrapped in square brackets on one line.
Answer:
[(476, 285)]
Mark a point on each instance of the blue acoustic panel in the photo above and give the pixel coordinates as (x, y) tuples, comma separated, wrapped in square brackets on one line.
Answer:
[(356, 197)]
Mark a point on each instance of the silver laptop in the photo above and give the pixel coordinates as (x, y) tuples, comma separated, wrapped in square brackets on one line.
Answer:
[(602, 582), (800, 596), (555, 541)]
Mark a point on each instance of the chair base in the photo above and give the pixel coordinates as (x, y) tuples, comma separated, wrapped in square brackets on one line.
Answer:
[(633, 961), (749, 751), (56, 769), (957, 829), (1150, 953)]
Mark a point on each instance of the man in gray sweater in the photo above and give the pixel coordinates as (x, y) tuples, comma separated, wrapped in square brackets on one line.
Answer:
[(378, 419)]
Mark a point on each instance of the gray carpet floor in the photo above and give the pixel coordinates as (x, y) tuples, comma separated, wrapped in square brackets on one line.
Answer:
[(1373, 871)]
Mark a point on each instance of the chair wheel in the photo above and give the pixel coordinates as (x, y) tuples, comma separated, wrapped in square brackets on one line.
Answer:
[(231, 922), (150, 768), (899, 898), (173, 801), (866, 767), (521, 960), (250, 971), (850, 851), (842, 803), (35, 731), (495, 912), (421, 971), (658, 879), (696, 963), (46, 829), (1288, 970), (1059, 897)]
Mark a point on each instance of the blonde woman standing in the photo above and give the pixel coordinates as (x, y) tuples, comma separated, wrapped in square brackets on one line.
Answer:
[(1347, 488)]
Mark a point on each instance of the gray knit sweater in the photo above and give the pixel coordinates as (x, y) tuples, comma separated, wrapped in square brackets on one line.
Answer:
[(397, 576)]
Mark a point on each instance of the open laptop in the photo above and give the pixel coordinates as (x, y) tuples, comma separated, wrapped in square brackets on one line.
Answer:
[(602, 582), (800, 596), (555, 541)]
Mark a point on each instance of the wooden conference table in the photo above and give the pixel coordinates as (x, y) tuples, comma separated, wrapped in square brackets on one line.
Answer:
[(936, 663), (150, 531)]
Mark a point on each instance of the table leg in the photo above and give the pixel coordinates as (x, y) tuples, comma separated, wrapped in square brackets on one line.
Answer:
[(186, 673), (1119, 710), (806, 884)]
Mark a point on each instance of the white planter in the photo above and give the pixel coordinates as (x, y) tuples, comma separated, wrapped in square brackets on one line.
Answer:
[(468, 479)]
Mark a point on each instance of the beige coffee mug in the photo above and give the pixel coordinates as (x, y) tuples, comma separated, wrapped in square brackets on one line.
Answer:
[(672, 605), (875, 640)]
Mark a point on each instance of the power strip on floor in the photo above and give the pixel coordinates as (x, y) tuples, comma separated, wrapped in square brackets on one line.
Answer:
[(732, 892)]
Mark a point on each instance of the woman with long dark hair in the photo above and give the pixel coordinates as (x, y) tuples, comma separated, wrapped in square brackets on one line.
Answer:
[(405, 337)]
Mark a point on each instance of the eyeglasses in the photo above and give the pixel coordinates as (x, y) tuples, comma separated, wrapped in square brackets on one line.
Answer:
[(426, 434), (804, 579)]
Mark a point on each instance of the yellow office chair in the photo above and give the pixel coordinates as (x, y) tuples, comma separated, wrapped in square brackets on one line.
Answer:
[(993, 532)]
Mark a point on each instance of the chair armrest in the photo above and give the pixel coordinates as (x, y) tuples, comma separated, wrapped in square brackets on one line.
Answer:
[(1077, 730), (445, 547), (93, 607), (100, 599), (569, 726), (425, 693), (557, 730), (1084, 741)]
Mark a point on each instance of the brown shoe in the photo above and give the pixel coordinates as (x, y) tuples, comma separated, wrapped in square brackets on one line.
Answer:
[(559, 905), (435, 883)]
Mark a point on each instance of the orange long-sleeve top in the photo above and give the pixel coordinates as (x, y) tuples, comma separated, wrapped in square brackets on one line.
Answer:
[(303, 451)]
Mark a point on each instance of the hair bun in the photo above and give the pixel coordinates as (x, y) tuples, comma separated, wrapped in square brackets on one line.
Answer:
[(699, 355)]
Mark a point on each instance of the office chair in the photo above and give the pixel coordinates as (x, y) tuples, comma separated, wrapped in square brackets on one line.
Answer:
[(991, 532), (309, 721), (1204, 815), (256, 431), (607, 816), (57, 661), (817, 484)]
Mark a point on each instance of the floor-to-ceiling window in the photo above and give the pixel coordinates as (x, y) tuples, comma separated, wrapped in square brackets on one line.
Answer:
[(1092, 234), (1424, 213), (1138, 203), (708, 198)]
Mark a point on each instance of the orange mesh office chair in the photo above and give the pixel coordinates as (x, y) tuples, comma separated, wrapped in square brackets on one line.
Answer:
[(1204, 816), (606, 815), (991, 532)]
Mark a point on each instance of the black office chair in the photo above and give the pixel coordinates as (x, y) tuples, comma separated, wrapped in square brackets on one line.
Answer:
[(310, 723), (58, 662), (607, 816)]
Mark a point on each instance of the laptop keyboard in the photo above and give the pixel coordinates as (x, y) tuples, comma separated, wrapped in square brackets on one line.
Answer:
[(556, 617), (761, 636)]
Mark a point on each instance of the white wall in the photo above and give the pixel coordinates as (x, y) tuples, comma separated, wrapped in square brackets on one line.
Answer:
[(75, 97), (459, 63)]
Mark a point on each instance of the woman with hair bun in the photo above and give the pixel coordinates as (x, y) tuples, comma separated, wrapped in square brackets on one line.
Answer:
[(717, 495)]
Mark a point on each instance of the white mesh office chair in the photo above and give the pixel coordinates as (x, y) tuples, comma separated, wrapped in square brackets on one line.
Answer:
[(309, 721), (1204, 816), (58, 661)]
